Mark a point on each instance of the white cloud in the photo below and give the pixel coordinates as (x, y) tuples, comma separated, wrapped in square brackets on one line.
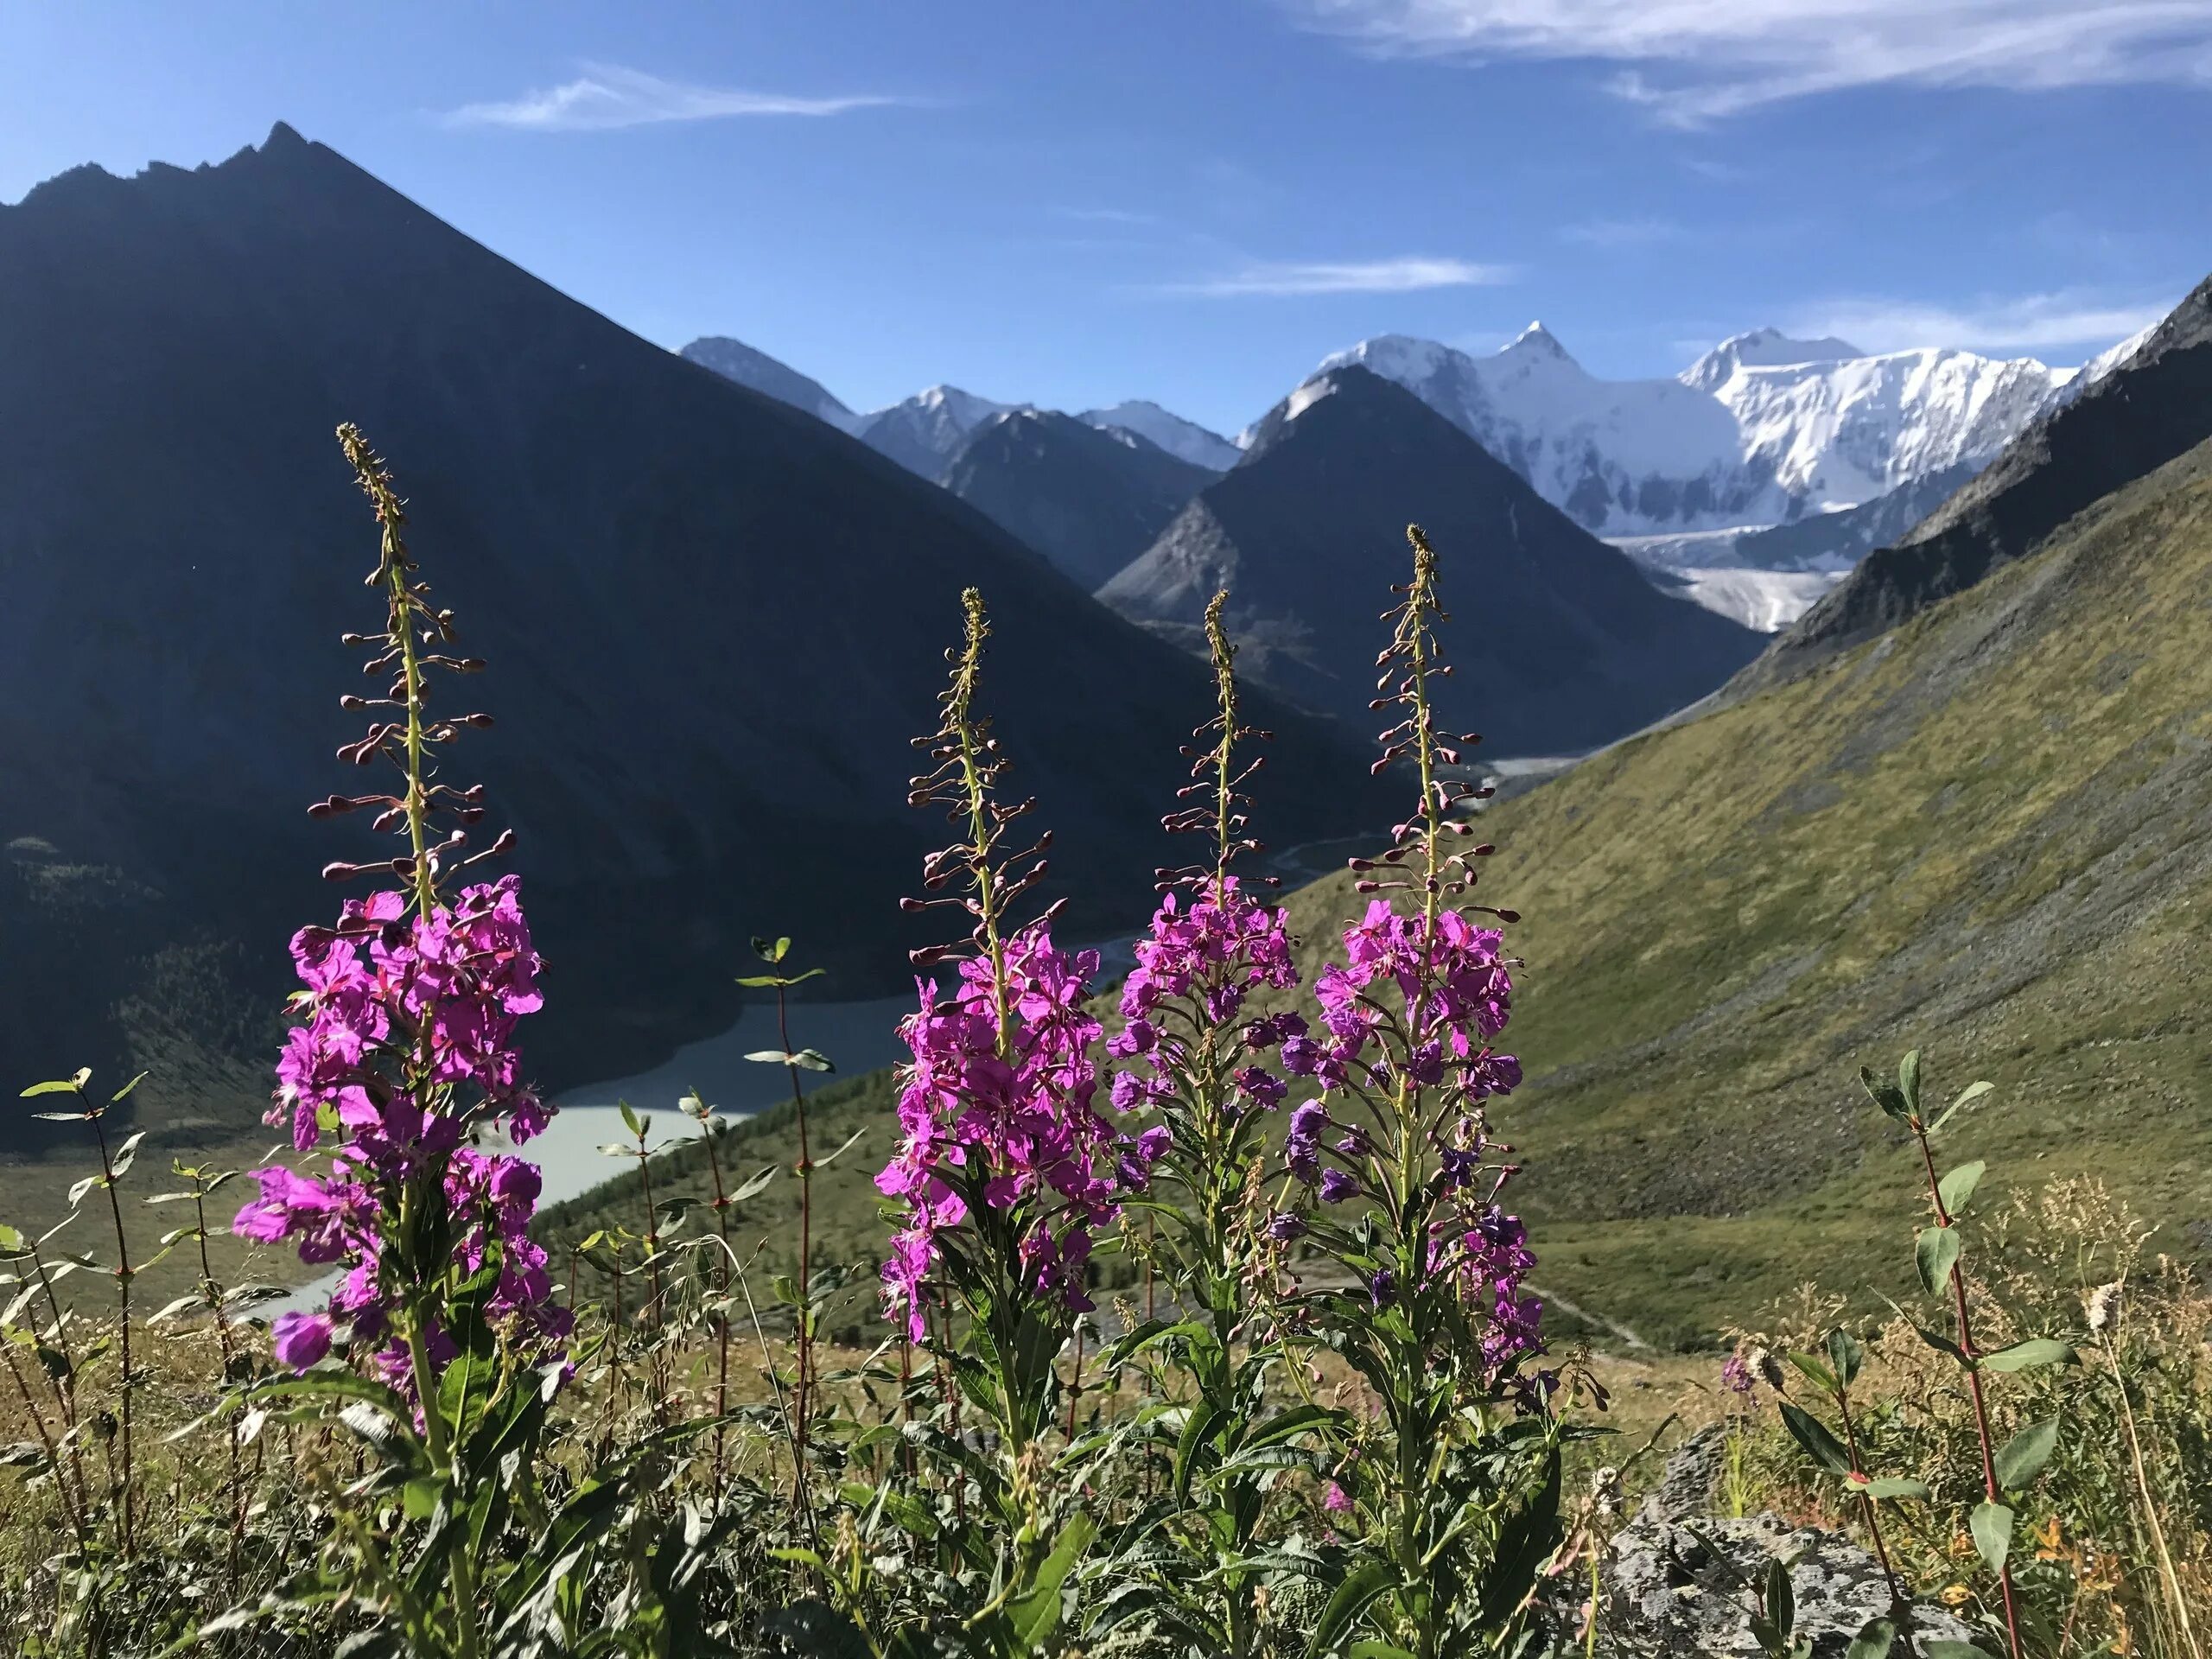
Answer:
[(606, 96), (1401, 276), (2025, 323), (1697, 60), (1622, 232)]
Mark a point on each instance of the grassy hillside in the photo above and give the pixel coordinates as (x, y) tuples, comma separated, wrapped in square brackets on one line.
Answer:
[(1982, 835)]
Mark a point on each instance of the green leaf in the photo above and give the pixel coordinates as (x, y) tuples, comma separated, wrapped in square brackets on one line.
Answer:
[(1036, 1612), (1847, 1353), (2021, 1458), (1895, 1486), (1957, 1187), (68, 1086), (1992, 1526), (851, 1140), (1935, 1253), (807, 1059), (1873, 1640), (629, 1118), (770, 951), (770, 981), (124, 1093), (1353, 1597), (1820, 1444), (1371, 1648), (1781, 1598), (1952, 1650), (1885, 1093), (2021, 1355), (1909, 1081), (1967, 1096), (1814, 1369)]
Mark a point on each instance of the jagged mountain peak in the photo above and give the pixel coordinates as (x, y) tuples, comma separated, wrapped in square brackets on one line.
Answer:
[(1537, 340)]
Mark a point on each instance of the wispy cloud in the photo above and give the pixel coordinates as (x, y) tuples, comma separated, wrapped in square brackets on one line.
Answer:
[(1401, 275), (1106, 216), (1694, 61), (2024, 322), (1622, 232), (606, 96)]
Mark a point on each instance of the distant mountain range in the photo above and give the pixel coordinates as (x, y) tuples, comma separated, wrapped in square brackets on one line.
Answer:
[(1768, 464), (712, 622), (1562, 644)]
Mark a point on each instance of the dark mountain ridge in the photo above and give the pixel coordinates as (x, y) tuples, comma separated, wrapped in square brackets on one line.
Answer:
[(712, 624), (1561, 644), (1089, 501)]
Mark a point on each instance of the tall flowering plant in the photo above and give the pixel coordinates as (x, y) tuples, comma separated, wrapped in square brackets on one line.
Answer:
[(403, 1045), (1005, 1174), (1391, 1177), (1194, 1054)]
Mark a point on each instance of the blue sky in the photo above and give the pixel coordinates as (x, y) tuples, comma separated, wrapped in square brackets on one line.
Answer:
[(1195, 200)]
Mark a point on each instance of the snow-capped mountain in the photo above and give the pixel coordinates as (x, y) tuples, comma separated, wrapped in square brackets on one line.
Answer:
[(922, 432), (1832, 427), (1185, 440), (1762, 429)]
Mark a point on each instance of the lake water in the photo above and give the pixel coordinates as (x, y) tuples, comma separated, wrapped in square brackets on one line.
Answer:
[(857, 1036)]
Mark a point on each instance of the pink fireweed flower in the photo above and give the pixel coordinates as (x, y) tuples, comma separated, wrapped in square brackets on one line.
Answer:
[(1005, 1123), (406, 1038)]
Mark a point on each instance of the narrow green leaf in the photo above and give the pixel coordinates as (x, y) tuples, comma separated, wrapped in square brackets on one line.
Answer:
[(1957, 1187), (1353, 1597), (851, 1140), (2021, 1458), (1935, 1253), (2036, 1350), (1814, 1369), (1967, 1096), (629, 1118), (58, 1087), (1895, 1486), (1820, 1444), (124, 1093), (1036, 1612), (1909, 1081), (1873, 1640), (1992, 1526), (1847, 1353)]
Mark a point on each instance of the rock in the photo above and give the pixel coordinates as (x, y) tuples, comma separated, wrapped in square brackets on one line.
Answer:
[(1677, 1581)]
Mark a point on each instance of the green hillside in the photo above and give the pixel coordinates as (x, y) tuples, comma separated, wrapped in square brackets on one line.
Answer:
[(1983, 834)]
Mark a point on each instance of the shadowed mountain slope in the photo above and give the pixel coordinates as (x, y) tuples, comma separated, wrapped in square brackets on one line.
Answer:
[(712, 624), (1089, 501), (1568, 645)]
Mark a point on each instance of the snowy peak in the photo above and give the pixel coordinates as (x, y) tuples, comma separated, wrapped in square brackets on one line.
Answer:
[(1763, 348), (1765, 428), (925, 431), (1536, 341), (1185, 440)]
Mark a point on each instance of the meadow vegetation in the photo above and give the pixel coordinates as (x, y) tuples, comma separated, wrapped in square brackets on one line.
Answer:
[(1199, 1320)]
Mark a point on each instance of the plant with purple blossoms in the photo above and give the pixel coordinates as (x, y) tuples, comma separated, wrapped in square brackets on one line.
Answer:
[(403, 1049), (1005, 1175), (1192, 1052), (1454, 1483)]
